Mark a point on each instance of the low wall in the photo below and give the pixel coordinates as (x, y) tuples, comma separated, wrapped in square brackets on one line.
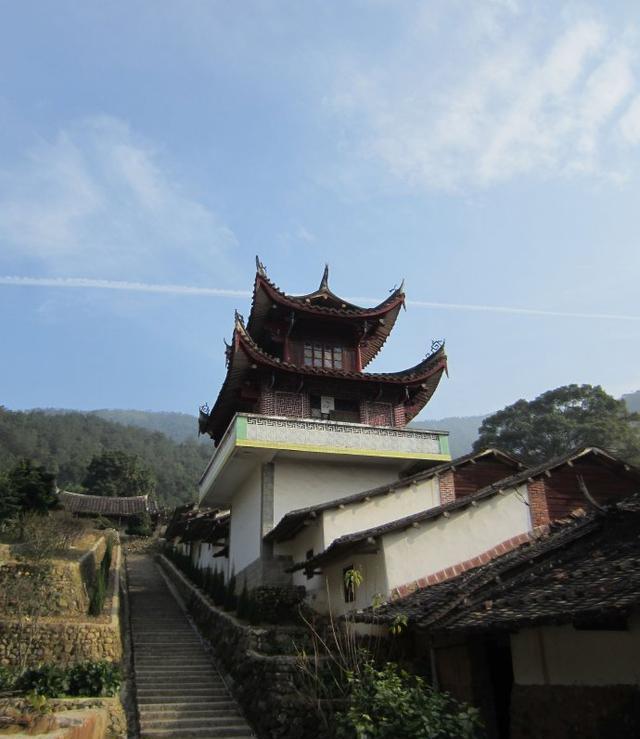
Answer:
[(67, 641), (266, 685), (572, 711), (68, 583)]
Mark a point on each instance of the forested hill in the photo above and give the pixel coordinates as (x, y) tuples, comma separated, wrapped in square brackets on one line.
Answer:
[(177, 426), (66, 442), (463, 431)]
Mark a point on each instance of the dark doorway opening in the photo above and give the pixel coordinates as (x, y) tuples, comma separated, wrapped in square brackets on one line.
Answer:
[(501, 675)]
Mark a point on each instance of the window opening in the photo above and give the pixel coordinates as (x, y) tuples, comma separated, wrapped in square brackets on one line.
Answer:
[(317, 354)]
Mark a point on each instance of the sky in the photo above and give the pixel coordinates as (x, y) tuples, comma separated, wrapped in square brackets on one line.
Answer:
[(488, 152)]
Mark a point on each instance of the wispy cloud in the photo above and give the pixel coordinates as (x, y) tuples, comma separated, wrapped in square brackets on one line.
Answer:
[(512, 98), (168, 289), (99, 199)]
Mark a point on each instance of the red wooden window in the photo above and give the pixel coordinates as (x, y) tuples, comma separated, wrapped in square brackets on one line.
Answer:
[(317, 354)]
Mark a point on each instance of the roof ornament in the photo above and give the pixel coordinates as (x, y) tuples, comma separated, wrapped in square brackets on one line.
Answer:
[(436, 345), (204, 409), (324, 283), (239, 318), (261, 269), (228, 351)]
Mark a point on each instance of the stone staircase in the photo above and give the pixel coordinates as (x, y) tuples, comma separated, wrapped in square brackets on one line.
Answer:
[(179, 691)]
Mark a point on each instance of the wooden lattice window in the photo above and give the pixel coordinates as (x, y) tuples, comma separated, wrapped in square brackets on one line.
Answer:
[(318, 354)]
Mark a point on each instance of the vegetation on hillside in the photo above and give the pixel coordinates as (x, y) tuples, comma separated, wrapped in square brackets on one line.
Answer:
[(560, 420), (66, 443)]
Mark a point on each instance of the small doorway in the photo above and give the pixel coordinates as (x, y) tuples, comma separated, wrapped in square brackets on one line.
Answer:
[(498, 651)]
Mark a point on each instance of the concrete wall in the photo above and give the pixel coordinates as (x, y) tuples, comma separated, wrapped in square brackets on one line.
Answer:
[(562, 655), (244, 535), (301, 482), (443, 542), (381, 509)]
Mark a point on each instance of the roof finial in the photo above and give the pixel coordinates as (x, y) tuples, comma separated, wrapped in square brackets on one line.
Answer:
[(239, 319), (324, 283), (262, 270)]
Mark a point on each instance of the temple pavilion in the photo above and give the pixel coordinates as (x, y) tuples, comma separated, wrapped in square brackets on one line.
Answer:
[(298, 421)]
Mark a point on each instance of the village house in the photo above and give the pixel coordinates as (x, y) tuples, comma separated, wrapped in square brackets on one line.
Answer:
[(545, 638), (303, 533), (120, 511), (299, 422), (440, 542)]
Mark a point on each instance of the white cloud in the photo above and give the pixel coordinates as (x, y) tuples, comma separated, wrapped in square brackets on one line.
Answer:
[(516, 99), (630, 122), (98, 200)]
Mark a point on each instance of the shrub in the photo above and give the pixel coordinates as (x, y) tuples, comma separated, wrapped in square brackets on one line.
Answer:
[(140, 525), (7, 678), (49, 680), (94, 679), (389, 703), (242, 610), (230, 598), (96, 604)]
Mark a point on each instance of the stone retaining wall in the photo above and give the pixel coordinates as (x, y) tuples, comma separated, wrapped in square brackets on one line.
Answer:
[(68, 583), (266, 685), (68, 641)]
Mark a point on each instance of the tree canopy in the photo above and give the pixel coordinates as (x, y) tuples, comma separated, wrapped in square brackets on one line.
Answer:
[(26, 487), (562, 419), (118, 474)]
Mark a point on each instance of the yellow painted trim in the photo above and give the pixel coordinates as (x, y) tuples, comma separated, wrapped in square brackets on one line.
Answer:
[(339, 450)]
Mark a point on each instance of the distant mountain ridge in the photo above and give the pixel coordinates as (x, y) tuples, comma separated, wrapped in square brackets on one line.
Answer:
[(177, 426), (463, 431)]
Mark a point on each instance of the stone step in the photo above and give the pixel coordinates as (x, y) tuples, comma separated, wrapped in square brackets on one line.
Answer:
[(195, 721), (157, 696), (226, 732), (186, 707), (171, 683), (204, 711)]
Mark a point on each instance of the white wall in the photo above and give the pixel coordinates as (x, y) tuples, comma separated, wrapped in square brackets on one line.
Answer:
[(310, 537), (299, 483), (444, 542), (374, 584), (380, 509), (561, 655), (244, 533)]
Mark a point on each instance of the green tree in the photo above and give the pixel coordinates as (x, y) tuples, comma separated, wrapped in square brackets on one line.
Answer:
[(561, 419), (118, 474), (27, 487)]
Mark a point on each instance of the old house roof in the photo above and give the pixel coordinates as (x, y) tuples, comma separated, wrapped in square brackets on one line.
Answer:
[(585, 570), (209, 525), (100, 505), (365, 540), (294, 521)]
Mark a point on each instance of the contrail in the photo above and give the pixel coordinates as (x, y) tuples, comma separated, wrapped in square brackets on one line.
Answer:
[(146, 287)]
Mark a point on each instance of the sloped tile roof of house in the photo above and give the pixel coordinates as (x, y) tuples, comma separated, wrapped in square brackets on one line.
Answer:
[(585, 570), (292, 522), (366, 538), (100, 505)]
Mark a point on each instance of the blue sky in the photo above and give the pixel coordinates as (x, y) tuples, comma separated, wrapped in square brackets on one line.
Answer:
[(488, 152)]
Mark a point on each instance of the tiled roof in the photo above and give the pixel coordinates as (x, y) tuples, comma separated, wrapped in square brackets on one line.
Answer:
[(207, 525), (100, 505), (421, 380), (293, 521), (586, 568), (350, 542)]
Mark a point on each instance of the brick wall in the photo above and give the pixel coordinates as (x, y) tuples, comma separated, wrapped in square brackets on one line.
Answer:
[(399, 415), (376, 414), (538, 502), (279, 403), (447, 487)]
